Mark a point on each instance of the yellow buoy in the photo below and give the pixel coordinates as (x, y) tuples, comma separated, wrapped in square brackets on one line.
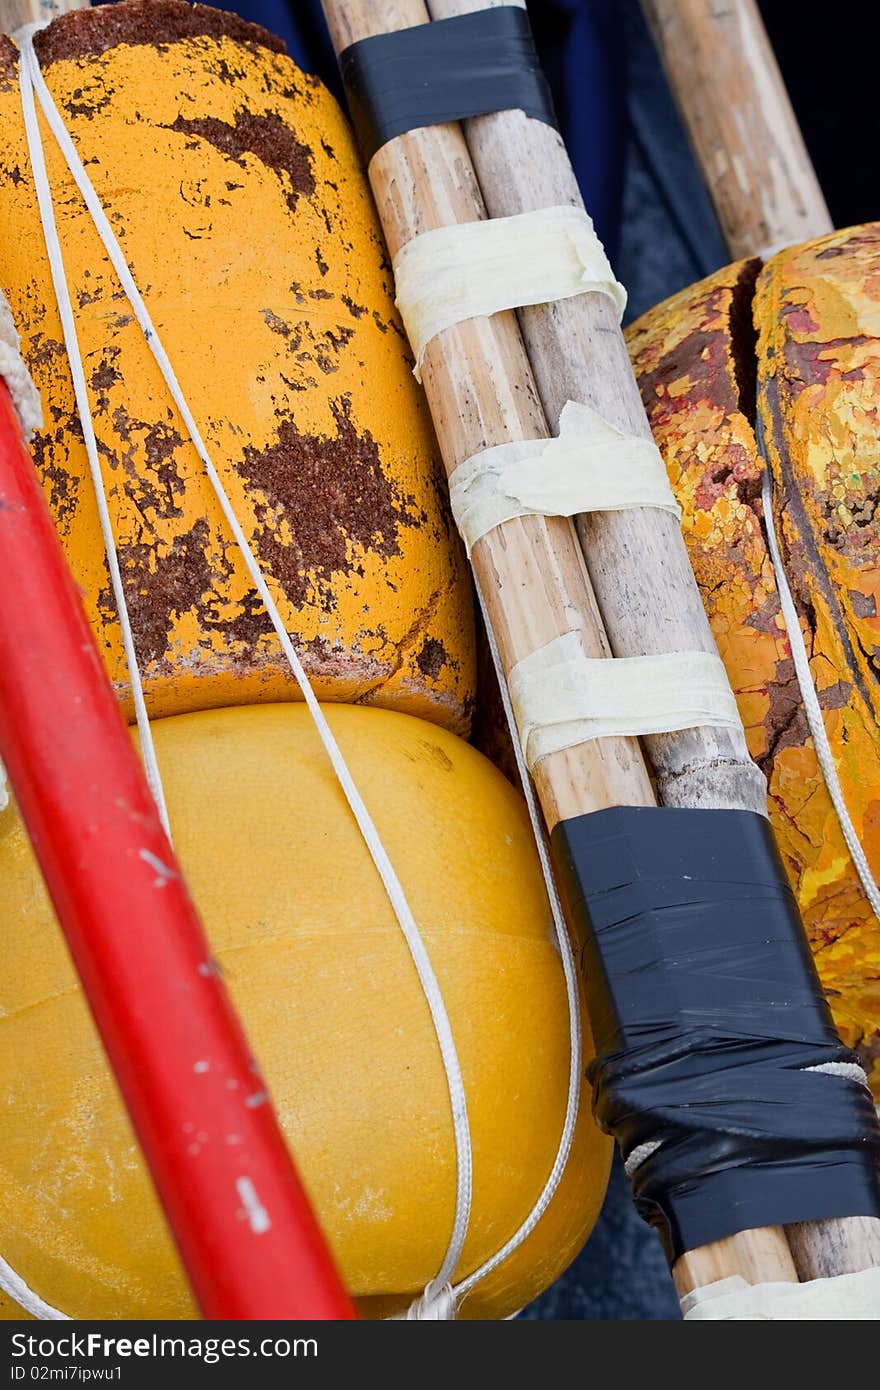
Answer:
[(322, 978), (232, 183)]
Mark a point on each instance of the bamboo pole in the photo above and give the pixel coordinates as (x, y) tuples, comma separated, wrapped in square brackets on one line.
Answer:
[(481, 392), (637, 560), (731, 96)]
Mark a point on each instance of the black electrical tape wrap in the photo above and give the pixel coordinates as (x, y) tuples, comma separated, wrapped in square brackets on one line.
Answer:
[(445, 71), (705, 1009)]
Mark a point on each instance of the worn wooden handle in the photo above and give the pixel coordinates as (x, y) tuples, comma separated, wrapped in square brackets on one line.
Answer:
[(744, 133)]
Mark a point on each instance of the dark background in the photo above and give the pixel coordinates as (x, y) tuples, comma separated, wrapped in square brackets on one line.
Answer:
[(646, 198)]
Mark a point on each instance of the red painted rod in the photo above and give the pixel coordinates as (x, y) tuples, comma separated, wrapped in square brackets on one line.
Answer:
[(246, 1233)]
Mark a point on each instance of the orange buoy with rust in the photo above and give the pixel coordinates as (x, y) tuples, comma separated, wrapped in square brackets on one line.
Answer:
[(232, 183), (796, 347)]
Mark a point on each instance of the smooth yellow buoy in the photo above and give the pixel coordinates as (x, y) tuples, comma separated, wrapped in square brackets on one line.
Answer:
[(320, 973)]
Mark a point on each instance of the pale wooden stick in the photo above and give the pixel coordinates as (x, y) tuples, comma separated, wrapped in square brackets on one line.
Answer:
[(729, 90), (481, 393), (637, 560)]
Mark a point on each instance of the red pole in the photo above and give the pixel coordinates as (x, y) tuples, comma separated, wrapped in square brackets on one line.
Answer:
[(244, 1228)]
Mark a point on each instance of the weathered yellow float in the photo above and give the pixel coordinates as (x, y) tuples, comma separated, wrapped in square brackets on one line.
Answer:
[(233, 185), (232, 181), (794, 350)]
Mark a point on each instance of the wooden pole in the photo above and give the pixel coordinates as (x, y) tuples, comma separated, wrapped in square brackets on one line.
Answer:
[(736, 110), (481, 393), (637, 560)]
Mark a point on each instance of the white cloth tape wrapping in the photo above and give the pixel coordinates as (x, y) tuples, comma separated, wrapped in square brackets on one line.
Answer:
[(562, 697), (475, 269), (591, 467), (13, 371), (846, 1297)]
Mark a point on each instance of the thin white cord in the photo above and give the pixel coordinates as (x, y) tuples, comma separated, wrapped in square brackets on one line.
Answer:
[(14, 1285), (32, 81), (571, 988), (29, 71), (811, 703)]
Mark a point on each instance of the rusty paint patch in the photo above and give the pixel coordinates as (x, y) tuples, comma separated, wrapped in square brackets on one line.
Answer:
[(332, 495), (266, 137), (432, 657)]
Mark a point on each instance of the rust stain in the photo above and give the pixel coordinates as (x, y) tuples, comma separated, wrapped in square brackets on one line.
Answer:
[(266, 137), (332, 494)]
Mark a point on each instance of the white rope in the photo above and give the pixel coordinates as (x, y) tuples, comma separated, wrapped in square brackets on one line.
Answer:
[(32, 82), (14, 1285), (811, 703), (571, 989), (29, 74)]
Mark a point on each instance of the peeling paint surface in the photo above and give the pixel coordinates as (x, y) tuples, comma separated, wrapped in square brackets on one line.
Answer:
[(232, 183), (803, 343)]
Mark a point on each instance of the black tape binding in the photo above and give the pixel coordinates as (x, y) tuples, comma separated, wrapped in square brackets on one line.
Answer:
[(445, 71), (706, 1009)]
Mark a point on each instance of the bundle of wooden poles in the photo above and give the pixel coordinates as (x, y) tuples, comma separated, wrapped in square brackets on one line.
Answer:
[(491, 381), (620, 579)]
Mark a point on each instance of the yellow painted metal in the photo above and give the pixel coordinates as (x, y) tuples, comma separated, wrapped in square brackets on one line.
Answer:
[(232, 182)]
